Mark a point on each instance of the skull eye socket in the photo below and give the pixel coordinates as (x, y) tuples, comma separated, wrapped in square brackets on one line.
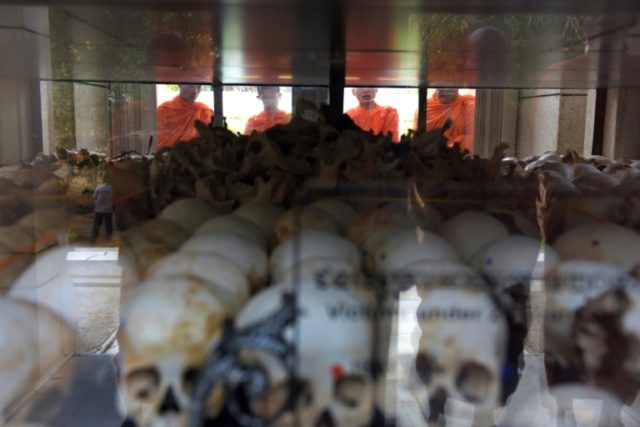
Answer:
[(349, 390), (143, 383), (189, 379), (473, 381), (424, 366)]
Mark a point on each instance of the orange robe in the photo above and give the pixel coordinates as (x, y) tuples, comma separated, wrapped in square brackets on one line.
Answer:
[(461, 112), (176, 118), (263, 121), (379, 119)]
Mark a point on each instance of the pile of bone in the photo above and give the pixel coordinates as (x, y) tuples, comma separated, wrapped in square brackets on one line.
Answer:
[(32, 215), (192, 268), (480, 279), (35, 341), (227, 169), (578, 190)]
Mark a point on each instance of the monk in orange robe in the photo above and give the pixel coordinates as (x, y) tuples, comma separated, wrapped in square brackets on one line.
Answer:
[(176, 117), (371, 116), (272, 115), (449, 104)]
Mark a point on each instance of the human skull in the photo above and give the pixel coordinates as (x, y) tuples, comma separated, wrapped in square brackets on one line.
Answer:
[(227, 278), (235, 224), (460, 356), (596, 181), (296, 220), (569, 287), (515, 221), (605, 242), (168, 328), (339, 387), (341, 212), (33, 341), (470, 231), (378, 236), (188, 213), (511, 265), (308, 245), (247, 255), (150, 241), (264, 215), (409, 247), (607, 340)]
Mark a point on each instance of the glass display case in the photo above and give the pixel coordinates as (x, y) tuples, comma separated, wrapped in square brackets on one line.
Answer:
[(344, 213)]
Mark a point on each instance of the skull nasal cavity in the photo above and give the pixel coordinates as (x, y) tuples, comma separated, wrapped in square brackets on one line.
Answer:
[(169, 403)]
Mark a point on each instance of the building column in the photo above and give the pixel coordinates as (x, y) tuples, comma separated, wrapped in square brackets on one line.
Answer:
[(24, 41), (495, 120), (555, 120), (622, 124)]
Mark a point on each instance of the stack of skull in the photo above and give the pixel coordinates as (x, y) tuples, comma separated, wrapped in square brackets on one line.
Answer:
[(190, 269)]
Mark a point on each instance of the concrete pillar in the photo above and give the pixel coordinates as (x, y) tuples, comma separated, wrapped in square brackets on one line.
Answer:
[(553, 120), (495, 120), (132, 114), (26, 59), (91, 116), (622, 124)]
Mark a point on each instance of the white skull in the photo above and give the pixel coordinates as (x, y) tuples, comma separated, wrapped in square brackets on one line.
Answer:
[(33, 341), (227, 279), (583, 405), (306, 218), (308, 245), (168, 327), (569, 287), (150, 241), (409, 247), (247, 255), (336, 370), (470, 231), (378, 236), (510, 265), (188, 213), (341, 212), (515, 221), (264, 215), (603, 242), (235, 224), (460, 357)]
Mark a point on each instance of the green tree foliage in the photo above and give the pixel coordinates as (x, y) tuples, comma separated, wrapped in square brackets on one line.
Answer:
[(530, 37)]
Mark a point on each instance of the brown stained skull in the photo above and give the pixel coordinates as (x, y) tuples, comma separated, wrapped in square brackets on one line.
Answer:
[(606, 339), (168, 328), (460, 355)]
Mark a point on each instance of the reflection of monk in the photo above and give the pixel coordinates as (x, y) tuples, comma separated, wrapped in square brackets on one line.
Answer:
[(272, 115), (449, 104), (371, 116), (176, 118)]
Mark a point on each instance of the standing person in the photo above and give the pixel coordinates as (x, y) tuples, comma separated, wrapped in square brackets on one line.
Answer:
[(370, 116), (449, 104), (271, 115), (176, 117), (103, 200)]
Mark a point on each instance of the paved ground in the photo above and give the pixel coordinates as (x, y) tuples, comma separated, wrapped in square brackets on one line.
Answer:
[(81, 395)]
